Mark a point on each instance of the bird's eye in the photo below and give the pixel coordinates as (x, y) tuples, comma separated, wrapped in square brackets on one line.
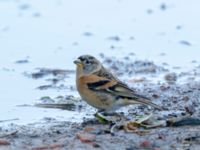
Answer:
[(87, 62)]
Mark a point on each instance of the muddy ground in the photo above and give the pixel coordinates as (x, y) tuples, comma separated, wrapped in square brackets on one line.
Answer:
[(178, 92)]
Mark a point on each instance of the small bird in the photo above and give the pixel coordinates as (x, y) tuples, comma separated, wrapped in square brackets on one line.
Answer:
[(101, 89)]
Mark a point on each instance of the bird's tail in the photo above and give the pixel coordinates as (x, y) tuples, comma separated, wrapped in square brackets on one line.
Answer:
[(145, 101)]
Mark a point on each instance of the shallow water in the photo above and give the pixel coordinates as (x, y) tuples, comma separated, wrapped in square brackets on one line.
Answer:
[(53, 33)]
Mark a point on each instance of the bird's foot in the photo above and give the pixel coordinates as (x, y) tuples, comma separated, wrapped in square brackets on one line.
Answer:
[(101, 118), (105, 117), (115, 120)]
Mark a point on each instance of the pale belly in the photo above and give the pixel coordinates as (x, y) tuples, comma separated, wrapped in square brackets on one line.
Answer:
[(99, 100)]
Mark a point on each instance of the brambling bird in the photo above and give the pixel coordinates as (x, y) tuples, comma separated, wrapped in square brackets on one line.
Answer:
[(101, 89)]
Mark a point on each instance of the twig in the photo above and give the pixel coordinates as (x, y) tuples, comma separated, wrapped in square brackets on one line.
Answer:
[(9, 120), (9, 134)]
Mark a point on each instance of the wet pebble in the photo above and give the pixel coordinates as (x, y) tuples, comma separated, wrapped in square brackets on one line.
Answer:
[(44, 87), (4, 142), (47, 99), (86, 137), (87, 34), (23, 61), (186, 43), (36, 14), (170, 77), (115, 38), (164, 87), (145, 144), (190, 109), (149, 11), (24, 6), (163, 6), (132, 38), (179, 27)]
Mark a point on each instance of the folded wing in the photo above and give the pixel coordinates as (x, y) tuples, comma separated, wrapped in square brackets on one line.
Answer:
[(119, 89)]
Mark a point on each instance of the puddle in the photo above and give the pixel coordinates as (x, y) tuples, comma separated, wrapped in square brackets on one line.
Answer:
[(43, 34)]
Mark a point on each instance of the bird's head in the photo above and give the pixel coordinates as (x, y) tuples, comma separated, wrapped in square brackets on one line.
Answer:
[(87, 64)]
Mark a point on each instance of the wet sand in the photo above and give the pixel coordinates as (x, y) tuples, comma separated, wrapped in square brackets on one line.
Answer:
[(178, 92)]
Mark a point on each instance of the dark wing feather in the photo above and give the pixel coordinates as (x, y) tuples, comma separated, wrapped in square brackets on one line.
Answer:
[(103, 72), (120, 90), (98, 84)]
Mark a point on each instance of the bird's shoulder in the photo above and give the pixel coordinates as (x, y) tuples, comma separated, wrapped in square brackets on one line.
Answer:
[(104, 72), (95, 81), (103, 84)]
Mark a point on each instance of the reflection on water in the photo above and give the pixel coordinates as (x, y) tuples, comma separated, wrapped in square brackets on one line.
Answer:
[(52, 33)]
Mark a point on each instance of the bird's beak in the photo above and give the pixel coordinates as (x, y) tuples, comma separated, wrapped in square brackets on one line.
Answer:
[(77, 61)]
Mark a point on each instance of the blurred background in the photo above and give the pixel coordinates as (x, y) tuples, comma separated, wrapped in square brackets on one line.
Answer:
[(52, 33)]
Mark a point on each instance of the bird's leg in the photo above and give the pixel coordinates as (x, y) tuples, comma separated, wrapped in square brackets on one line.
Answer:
[(101, 117), (118, 122), (106, 117), (115, 120), (110, 116)]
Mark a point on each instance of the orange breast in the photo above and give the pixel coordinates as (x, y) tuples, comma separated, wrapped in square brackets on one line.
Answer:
[(94, 98)]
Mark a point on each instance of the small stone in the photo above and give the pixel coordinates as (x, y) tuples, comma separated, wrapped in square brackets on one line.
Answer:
[(170, 77), (186, 43), (149, 11), (190, 109), (87, 34), (185, 98), (88, 129), (145, 143), (23, 61), (155, 95), (4, 142), (164, 87), (86, 137), (163, 6), (115, 38)]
